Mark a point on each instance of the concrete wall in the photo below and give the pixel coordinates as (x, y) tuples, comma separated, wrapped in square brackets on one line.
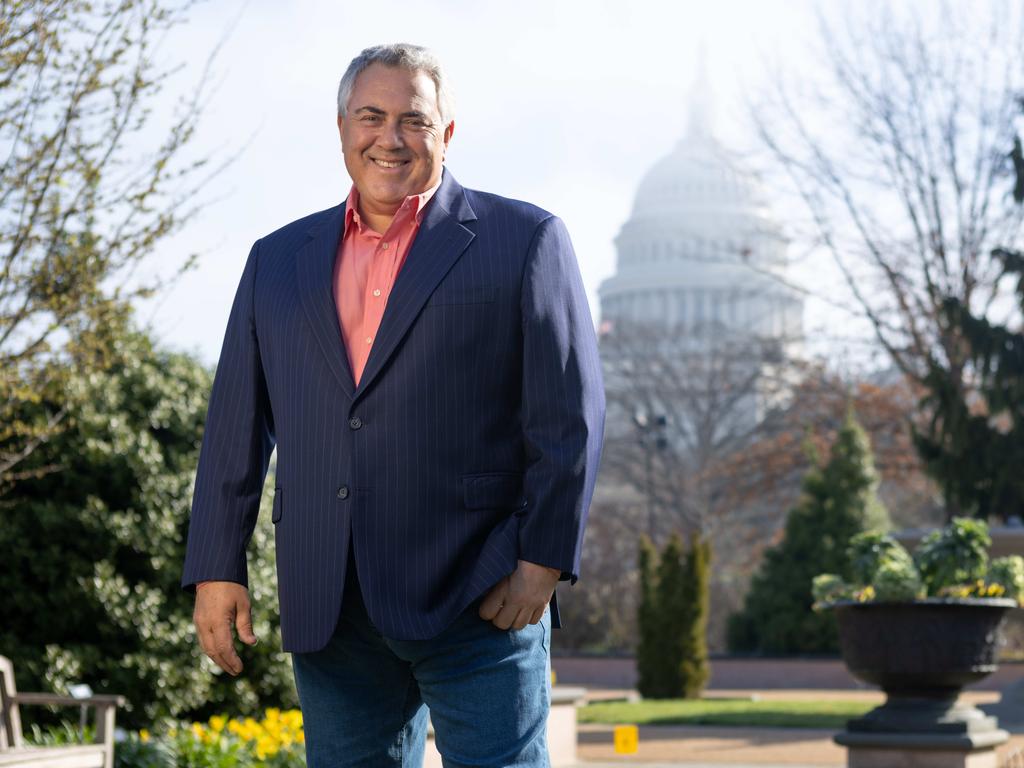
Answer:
[(747, 674)]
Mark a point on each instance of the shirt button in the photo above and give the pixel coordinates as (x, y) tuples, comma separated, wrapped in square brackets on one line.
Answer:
[(376, 291), (369, 339), (384, 246), (343, 492), (355, 422)]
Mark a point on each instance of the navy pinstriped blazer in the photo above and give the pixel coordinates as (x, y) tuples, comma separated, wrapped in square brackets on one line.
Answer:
[(472, 440)]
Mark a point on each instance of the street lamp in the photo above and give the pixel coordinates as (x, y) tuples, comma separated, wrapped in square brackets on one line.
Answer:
[(652, 438)]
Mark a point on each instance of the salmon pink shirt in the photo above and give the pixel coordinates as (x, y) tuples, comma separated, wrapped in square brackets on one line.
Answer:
[(365, 270)]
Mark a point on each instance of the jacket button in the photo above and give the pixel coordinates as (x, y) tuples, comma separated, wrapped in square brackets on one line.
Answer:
[(343, 492), (355, 422)]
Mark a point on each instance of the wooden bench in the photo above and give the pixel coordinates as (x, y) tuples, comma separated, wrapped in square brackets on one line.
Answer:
[(14, 752)]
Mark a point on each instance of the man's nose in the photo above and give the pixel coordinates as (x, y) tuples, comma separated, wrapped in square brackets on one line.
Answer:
[(390, 136)]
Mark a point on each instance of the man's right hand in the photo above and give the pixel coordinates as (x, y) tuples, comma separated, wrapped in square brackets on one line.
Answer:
[(219, 606)]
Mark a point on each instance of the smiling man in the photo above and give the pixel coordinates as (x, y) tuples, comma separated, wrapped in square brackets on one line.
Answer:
[(422, 356)]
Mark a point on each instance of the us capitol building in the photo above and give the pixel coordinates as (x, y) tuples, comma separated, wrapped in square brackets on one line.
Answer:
[(700, 263)]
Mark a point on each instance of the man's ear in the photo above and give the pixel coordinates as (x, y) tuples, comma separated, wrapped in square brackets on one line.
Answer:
[(449, 131), (341, 123)]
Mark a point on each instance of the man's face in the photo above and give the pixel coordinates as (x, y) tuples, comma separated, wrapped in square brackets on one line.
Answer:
[(392, 137)]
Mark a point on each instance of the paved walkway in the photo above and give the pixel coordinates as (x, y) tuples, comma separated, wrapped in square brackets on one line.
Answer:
[(740, 747), (702, 746)]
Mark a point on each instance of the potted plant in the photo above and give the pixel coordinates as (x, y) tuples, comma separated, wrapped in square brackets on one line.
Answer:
[(922, 627)]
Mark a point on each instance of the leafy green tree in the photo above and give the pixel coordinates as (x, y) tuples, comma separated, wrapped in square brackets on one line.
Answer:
[(92, 554), (85, 196), (838, 501)]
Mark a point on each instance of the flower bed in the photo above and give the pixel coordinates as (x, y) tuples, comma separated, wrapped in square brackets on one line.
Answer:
[(276, 741)]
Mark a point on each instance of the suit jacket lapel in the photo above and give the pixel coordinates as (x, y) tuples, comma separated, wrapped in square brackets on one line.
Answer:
[(439, 243), (315, 274)]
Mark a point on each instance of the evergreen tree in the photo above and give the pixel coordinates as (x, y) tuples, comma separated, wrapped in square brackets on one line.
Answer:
[(671, 596), (975, 453), (838, 501), (672, 659), (695, 668), (648, 652), (92, 552)]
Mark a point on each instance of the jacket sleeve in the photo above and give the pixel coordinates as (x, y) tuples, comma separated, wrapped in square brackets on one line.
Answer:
[(235, 453), (563, 403)]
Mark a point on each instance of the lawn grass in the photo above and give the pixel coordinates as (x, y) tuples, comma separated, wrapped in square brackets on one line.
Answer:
[(740, 712)]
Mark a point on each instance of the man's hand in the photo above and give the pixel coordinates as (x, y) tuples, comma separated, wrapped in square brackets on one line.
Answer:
[(219, 605), (521, 597)]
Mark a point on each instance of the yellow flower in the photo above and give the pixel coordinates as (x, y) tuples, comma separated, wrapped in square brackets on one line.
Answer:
[(144, 735), (217, 723), (266, 747), (865, 595)]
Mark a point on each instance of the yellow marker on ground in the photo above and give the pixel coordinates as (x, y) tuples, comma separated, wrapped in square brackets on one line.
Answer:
[(553, 678), (627, 739)]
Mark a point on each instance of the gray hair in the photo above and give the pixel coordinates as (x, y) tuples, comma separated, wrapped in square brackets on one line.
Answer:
[(412, 57)]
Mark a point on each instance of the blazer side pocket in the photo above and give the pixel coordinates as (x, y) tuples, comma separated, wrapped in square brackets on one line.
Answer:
[(493, 490), (278, 508)]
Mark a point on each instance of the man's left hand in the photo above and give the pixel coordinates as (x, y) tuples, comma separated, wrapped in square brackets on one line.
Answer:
[(521, 597)]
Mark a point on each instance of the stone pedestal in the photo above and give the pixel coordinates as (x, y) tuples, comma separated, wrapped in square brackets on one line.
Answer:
[(908, 732)]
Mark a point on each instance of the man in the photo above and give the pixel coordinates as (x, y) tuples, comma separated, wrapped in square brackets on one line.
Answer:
[(424, 360)]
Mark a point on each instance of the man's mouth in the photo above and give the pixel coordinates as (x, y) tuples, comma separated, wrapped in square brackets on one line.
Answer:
[(388, 163)]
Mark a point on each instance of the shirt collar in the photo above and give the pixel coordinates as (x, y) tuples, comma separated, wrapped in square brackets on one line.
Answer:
[(413, 206)]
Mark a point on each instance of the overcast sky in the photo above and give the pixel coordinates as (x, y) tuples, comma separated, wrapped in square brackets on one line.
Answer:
[(563, 104)]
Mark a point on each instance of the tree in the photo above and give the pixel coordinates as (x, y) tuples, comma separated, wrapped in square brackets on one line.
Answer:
[(838, 501), (678, 408), (83, 199), (975, 448), (694, 669), (672, 658), (906, 189), (650, 653), (92, 555), (680, 405)]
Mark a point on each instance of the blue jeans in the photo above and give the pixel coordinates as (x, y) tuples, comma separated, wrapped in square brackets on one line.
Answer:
[(364, 696)]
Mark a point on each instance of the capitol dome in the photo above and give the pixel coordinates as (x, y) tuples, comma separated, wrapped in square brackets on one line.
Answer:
[(700, 251)]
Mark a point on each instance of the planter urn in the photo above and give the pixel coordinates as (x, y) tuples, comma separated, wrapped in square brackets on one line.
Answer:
[(922, 654)]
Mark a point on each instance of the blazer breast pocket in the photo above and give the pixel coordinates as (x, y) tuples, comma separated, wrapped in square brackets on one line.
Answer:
[(474, 294), (278, 508)]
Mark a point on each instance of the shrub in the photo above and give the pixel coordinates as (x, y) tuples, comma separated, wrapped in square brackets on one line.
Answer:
[(92, 552), (672, 656), (956, 555), (1009, 572), (838, 502), (897, 580), (870, 551), (695, 667), (952, 562)]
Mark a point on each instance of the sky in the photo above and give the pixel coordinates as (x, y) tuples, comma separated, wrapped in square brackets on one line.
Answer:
[(565, 104)]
